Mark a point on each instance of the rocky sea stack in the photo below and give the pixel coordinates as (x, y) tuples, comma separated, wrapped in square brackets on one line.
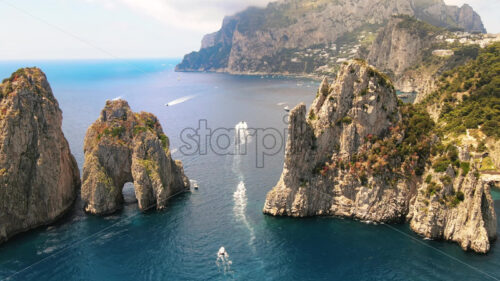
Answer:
[(39, 177), (123, 146), (361, 153)]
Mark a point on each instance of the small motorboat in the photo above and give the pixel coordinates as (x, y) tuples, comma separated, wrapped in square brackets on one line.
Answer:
[(287, 109), (222, 253), (194, 184)]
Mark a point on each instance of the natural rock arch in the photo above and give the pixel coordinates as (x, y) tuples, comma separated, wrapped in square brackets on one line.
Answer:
[(128, 192), (123, 146)]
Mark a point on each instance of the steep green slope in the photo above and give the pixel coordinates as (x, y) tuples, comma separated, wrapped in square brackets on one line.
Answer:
[(469, 95)]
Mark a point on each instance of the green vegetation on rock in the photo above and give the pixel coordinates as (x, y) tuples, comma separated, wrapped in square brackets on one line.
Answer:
[(487, 164), (465, 166), (470, 95), (416, 26)]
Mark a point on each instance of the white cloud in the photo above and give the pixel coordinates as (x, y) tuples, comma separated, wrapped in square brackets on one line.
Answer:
[(199, 15), (206, 16), (461, 2)]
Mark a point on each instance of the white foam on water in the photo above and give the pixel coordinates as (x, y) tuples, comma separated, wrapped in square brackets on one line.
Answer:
[(242, 136), (281, 103), (47, 250), (179, 100), (241, 139), (240, 201), (240, 208)]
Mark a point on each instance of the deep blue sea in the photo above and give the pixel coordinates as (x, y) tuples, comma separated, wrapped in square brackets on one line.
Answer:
[(181, 242)]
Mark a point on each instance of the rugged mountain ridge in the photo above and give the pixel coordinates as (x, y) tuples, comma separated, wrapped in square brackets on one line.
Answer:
[(39, 177), (300, 37), (123, 146), (415, 53), (360, 153)]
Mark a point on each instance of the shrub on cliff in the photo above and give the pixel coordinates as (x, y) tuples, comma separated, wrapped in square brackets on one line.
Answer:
[(480, 106)]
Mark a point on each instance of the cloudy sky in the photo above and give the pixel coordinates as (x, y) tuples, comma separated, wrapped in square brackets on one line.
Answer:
[(79, 29)]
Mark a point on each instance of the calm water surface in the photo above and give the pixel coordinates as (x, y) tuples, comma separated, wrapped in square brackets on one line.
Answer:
[(181, 242)]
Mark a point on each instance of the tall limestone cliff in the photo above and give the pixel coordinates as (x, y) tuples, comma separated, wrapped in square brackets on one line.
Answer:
[(415, 53), (301, 36), (401, 44), (469, 216), (316, 178), (123, 146), (360, 153), (39, 177), (465, 107)]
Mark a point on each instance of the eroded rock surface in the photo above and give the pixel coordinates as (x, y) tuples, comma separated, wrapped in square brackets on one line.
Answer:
[(359, 153), (469, 216), (316, 179), (39, 177), (123, 146)]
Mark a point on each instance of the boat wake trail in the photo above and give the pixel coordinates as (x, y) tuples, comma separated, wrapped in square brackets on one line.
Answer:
[(240, 208), (241, 138), (179, 100)]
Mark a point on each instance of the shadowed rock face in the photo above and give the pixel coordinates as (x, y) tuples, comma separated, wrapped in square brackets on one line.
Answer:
[(401, 45), (398, 47), (39, 177), (123, 146), (348, 157), (403, 49)]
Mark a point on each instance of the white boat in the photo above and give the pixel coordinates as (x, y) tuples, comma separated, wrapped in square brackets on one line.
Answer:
[(222, 252), (194, 184), (287, 109)]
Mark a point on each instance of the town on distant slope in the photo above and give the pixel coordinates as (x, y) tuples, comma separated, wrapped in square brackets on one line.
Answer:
[(314, 38)]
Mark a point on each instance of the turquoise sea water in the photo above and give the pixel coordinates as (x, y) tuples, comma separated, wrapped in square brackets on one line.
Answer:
[(181, 242)]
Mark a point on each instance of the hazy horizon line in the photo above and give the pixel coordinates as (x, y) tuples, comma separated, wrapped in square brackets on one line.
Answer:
[(90, 59)]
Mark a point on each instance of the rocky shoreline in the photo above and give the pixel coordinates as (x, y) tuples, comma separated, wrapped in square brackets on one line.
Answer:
[(39, 177), (359, 153), (355, 155)]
